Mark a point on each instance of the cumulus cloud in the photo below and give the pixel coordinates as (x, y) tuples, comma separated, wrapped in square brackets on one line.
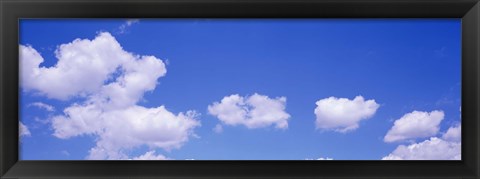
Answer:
[(255, 111), (150, 155), (448, 147), (44, 106), (111, 82), (342, 114), (83, 66), (23, 130), (453, 134), (125, 129), (432, 149), (416, 124)]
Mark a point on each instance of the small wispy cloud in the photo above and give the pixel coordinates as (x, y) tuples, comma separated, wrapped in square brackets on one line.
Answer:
[(23, 130), (124, 27), (321, 158), (218, 129), (41, 105), (41, 121), (440, 52), (66, 153)]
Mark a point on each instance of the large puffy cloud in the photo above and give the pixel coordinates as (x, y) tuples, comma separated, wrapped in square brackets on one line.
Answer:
[(110, 81), (342, 114), (119, 130), (448, 147), (253, 111), (23, 130), (82, 67), (416, 124)]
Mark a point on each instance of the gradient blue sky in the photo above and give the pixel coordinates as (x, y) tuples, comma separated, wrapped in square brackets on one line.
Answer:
[(402, 64)]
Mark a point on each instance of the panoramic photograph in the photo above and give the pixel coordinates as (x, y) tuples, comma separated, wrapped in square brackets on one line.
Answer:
[(240, 89)]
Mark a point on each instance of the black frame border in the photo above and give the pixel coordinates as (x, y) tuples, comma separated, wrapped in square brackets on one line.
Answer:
[(12, 10)]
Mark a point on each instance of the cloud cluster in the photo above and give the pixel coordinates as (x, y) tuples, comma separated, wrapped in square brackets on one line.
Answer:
[(23, 130), (416, 124), (107, 83), (253, 111), (342, 114), (422, 124), (110, 81)]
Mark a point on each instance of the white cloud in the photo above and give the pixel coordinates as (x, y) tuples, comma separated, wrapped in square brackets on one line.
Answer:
[(416, 124), (453, 134), (41, 121), (110, 81), (82, 67), (432, 149), (139, 76), (66, 153), (150, 155), (218, 128), (123, 28), (254, 111), (132, 21), (120, 130), (446, 148), (41, 105), (23, 130), (342, 114), (321, 158)]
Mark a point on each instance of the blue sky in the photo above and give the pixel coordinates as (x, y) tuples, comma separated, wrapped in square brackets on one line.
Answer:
[(397, 66)]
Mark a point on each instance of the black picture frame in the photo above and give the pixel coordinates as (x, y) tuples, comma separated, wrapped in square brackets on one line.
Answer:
[(12, 10)]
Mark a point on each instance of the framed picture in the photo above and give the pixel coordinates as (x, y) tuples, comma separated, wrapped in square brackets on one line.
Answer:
[(239, 89)]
